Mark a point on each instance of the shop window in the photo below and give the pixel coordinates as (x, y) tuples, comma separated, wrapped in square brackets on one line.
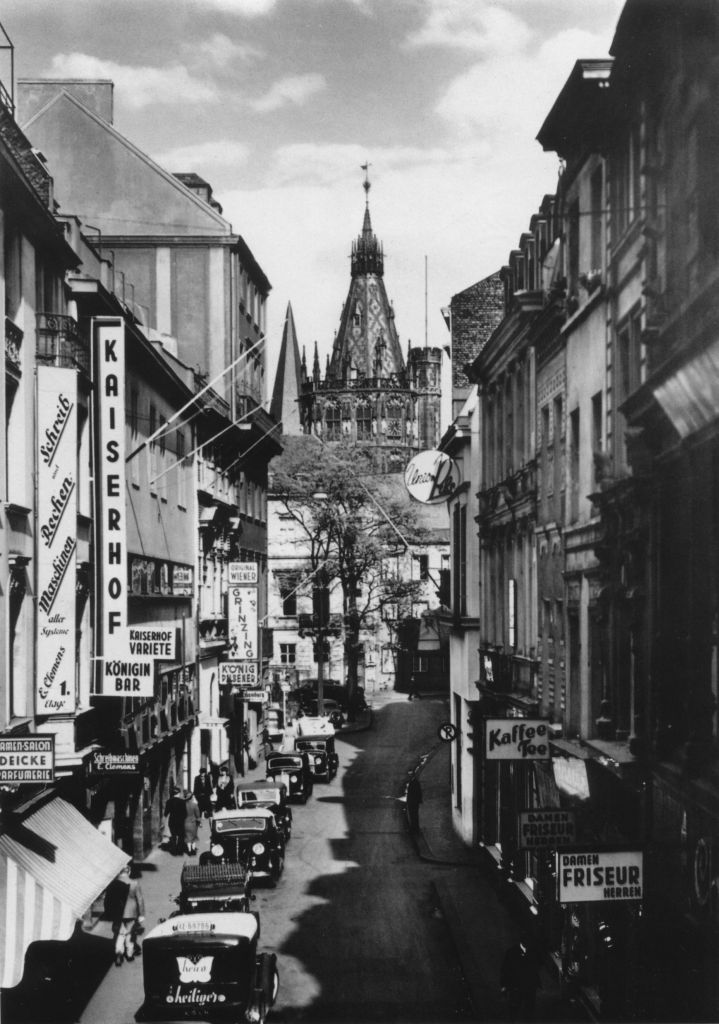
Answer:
[(420, 663)]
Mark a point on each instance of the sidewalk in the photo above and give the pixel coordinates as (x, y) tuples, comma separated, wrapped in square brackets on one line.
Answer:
[(481, 924)]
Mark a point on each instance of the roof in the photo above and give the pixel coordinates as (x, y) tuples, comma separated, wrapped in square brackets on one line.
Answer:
[(243, 812), (288, 380)]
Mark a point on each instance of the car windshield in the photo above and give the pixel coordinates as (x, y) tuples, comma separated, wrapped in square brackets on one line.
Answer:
[(284, 764), (310, 745), (239, 825), (268, 796)]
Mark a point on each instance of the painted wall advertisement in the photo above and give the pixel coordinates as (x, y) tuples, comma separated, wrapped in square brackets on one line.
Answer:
[(516, 739), (242, 623), (57, 539), (600, 877)]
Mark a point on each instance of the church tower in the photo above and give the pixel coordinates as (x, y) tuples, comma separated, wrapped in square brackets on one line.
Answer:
[(368, 395)]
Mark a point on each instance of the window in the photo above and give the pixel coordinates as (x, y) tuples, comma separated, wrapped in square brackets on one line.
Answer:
[(288, 654), (422, 562), (573, 247), (364, 422), (181, 473), (151, 450), (597, 218), (333, 423), (459, 553), (558, 453), (420, 663), (628, 357), (287, 583), (574, 466), (161, 483), (625, 183), (546, 461), (597, 442)]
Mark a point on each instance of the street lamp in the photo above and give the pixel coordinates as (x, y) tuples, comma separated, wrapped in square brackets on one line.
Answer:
[(321, 617)]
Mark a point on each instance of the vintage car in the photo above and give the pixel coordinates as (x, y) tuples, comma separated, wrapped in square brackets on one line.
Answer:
[(293, 769), (324, 762), (271, 793), (214, 888), (207, 966), (274, 722), (330, 709), (249, 837)]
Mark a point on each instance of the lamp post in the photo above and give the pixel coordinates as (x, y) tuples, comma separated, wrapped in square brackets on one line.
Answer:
[(321, 615)]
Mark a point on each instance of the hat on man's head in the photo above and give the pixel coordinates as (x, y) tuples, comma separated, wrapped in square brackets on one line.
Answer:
[(175, 790)]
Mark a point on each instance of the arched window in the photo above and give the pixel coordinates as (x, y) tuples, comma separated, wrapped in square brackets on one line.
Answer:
[(333, 423), (364, 422)]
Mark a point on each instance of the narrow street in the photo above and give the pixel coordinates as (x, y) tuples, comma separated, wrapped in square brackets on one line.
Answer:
[(354, 920)]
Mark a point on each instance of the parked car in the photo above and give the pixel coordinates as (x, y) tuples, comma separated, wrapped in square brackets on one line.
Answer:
[(271, 794), (214, 888), (330, 709), (293, 769), (324, 762), (249, 837), (208, 966)]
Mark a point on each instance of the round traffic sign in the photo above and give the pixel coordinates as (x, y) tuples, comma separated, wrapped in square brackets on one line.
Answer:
[(447, 732)]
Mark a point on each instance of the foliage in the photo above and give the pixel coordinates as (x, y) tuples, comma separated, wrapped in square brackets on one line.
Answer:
[(355, 525)]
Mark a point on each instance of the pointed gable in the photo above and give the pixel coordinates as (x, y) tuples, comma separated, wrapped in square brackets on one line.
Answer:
[(288, 381), (120, 190)]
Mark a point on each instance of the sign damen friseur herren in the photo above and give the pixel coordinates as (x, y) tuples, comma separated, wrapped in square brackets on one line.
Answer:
[(57, 539)]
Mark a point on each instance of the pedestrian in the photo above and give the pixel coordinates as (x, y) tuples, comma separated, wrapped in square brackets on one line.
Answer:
[(202, 791), (224, 791), (413, 691), (414, 799), (192, 823), (519, 979), (175, 812), (125, 905)]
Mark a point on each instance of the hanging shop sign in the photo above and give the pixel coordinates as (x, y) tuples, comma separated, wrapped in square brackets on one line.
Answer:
[(152, 642), (242, 573), (57, 539), (431, 477), (546, 829), (239, 674), (182, 581), (242, 623), (101, 763), (516, 739), (128, 677), (255, 696), (27, 759), (600, 877), (110, 383)]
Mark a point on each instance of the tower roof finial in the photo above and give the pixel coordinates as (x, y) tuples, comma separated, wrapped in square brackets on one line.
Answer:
[(366, 183)]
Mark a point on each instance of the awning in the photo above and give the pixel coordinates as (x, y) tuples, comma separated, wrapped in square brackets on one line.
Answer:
[(42, 898)]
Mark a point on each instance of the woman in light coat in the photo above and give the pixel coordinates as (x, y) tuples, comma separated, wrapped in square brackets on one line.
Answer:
[(193, 818)]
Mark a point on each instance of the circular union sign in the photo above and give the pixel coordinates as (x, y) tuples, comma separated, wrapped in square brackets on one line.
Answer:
[(431, 477)]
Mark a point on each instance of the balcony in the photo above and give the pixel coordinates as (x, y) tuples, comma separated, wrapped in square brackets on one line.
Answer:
[(59, 343), (155, 721), (13, 343)]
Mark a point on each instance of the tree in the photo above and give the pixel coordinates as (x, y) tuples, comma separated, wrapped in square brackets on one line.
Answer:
[(356, 525)]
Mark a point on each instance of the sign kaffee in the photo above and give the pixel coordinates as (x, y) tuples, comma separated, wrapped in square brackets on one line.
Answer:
[(516, 739)]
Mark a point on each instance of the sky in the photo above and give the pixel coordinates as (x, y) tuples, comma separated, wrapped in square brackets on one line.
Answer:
[(278, 103)]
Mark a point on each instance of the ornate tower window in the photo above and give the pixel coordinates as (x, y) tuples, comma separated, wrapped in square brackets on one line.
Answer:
[(333, 423), (364, 422)]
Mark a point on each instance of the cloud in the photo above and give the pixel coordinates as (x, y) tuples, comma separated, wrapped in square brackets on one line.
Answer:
[(222, 51), (507, 95), (295, 90), (470, 25), (204, 158), (137, 87)]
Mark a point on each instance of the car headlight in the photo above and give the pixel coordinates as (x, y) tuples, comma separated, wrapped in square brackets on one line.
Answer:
[(258, 848), (318, 760), (216, 850), (293, 778)]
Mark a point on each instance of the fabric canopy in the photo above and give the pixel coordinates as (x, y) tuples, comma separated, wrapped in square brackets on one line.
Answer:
[(42, 898)]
